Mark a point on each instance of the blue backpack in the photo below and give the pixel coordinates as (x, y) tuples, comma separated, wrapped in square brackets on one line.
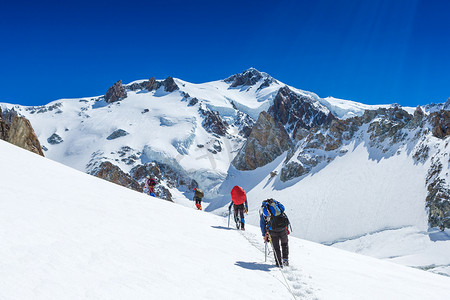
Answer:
[(274, 215)]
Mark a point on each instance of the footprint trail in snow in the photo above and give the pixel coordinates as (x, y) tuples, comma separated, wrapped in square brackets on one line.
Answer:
[(291, 277)]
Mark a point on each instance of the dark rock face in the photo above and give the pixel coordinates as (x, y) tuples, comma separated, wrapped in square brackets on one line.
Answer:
[(247, 78), (266, 83), (3, 127), (390, 125), (113, 173), (18, 131), (152, 85), (213, 123), (292, 170), (170, 85), (245, 124), (193, 101), (321, 144), (295, 111), (116, 93), (55, 139), (149, 85), (268, 140), (438, 199), (117, 134), (441, 123)]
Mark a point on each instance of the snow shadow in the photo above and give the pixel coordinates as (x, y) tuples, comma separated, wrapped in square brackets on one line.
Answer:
[(436, 235), (100, 104), (254, 266), (222, 227)]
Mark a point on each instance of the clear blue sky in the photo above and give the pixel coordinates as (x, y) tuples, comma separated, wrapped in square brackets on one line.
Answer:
[(375, 52)]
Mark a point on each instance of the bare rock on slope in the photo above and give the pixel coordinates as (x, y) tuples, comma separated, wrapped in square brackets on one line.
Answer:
[(268, 140), (116, 93), (18, 131)]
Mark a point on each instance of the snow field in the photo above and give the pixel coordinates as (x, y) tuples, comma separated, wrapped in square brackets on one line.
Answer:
[(69, 235)]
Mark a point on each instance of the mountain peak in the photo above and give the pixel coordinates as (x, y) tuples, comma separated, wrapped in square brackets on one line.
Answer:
[(249, 77)]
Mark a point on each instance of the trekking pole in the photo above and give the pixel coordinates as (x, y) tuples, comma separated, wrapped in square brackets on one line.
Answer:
[(266, 236), (229, 212), (265, 251)]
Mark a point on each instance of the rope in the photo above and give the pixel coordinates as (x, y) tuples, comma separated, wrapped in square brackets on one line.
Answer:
[(273, 250), (278, 262)]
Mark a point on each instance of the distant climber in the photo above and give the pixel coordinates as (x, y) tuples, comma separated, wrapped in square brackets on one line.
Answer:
[(239, 201), (274, 227), (150, 184), (198, 196)]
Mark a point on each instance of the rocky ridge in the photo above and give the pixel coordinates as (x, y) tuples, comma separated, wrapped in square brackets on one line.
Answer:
[(250, 78), (268, 140), (18, 131), (387, 130), (152, 85)]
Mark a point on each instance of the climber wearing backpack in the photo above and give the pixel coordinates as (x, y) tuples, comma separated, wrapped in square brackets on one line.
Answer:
[(150, 184), (274, 227), (239, 201), (198, 196)]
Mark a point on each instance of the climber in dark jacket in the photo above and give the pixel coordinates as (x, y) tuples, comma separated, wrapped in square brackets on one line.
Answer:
[(198, 196), (274, 228)]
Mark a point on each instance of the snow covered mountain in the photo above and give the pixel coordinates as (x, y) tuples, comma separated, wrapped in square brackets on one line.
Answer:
[(351, 175), (68, 235)]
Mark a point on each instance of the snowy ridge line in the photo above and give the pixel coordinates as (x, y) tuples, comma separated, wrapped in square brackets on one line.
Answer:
[(292, 280), (365, 234)]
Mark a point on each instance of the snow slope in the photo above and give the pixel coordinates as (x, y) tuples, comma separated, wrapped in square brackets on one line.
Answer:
[(68, 235), (364, 201)]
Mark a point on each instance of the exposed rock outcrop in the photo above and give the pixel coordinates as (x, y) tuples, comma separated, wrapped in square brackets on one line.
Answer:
[(247, 78), (152, 85), (170, 85), (438, 199), (18, 131), (441, 123), (116, 93), (108, 171), (268, 140), (295, 111), (55, 139), (212, 122), (292, 170), (117, 134), (245, 124)]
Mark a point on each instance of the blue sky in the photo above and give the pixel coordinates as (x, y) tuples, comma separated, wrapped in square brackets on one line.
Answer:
[(375, 52)]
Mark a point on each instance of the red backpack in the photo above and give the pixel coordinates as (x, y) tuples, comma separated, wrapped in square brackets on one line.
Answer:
[(238, 195)]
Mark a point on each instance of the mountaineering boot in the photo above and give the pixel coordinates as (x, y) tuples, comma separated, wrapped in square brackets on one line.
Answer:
[(242, 226), (285, 262)]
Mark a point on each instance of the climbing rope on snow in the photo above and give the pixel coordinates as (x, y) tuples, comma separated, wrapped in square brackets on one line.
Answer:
[(278, 263), (286, 284)]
